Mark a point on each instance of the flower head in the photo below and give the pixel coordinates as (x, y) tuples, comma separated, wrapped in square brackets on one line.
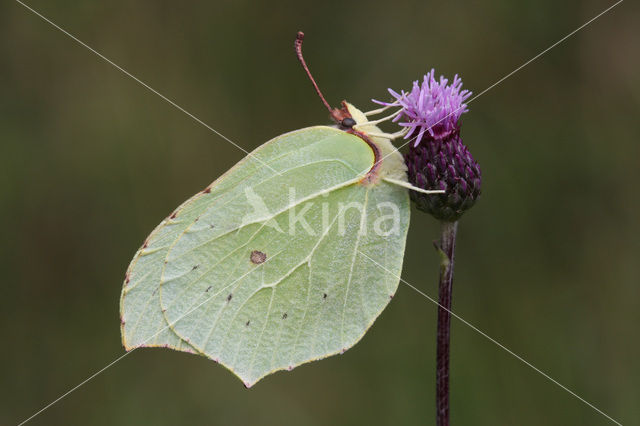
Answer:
[(438, 160), (430, 110)]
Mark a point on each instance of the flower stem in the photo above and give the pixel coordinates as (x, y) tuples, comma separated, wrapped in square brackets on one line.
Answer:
[(447, 249)]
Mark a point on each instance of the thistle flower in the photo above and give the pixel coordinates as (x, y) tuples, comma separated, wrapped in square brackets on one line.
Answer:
[(433, 108), (438, 159)]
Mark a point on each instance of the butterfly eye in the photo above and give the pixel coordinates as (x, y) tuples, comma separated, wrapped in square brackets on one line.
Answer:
[(348, 122)]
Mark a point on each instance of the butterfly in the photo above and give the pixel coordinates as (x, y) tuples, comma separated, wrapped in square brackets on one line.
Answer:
[(288, 257)]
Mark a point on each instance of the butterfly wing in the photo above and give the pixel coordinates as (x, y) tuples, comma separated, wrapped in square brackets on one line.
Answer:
[(270, 266)]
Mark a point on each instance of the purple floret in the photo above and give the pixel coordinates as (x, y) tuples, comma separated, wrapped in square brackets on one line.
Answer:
[(433, 108)]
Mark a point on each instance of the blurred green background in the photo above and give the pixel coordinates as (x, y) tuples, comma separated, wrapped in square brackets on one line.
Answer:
[(548, 260)]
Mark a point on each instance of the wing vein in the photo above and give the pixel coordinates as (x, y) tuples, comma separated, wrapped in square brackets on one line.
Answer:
[(353, 262)]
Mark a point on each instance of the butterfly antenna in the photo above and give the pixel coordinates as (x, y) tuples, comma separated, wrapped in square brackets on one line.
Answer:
[(298, 46)]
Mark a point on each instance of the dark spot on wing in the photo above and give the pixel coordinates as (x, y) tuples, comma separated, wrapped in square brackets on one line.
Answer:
[(284, 316), (258, 257), (207, 290), (126, 278), (324, 296), (194, 267), (173, 215), (207, 190), (229, 297), (247, 323), (146, 244), (212, 226)]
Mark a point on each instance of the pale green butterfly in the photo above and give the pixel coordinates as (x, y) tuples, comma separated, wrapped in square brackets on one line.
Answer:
[(287, 258)]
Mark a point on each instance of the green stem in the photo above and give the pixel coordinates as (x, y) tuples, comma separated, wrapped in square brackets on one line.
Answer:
[(447, 249)]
